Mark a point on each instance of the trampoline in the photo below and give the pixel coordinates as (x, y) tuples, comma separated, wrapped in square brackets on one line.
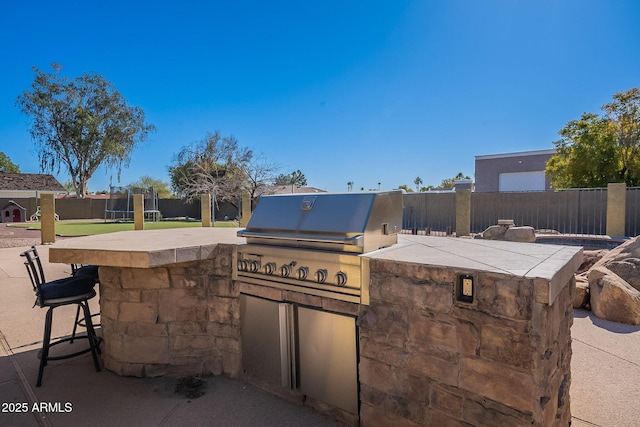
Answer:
[(119, 205)]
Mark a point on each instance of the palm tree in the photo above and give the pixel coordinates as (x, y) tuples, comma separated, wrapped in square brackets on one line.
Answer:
[(417, 182), (349, 185)]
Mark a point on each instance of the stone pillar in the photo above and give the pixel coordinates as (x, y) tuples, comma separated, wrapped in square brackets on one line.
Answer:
[(47, 218), (463, 212), (246, 210), (616, 208), (138, 212), (205, 209)]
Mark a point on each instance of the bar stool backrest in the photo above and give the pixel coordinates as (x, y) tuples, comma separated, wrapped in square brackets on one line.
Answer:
[(36, 273)]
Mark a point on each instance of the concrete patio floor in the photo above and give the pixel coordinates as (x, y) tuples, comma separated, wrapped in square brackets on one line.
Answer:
[(604, 391)]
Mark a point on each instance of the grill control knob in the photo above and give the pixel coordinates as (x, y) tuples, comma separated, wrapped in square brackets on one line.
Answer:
[(321, 275), (285, 270), (243, 265), (254, 266), (303, 272), (269, 267), (341, 278)]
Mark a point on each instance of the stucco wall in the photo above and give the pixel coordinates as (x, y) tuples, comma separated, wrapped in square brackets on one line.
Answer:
[(488, 168)]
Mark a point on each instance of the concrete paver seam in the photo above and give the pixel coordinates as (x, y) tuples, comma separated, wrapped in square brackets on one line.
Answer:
[(167, 419), (28, 391), (585, 422), (605, 351)]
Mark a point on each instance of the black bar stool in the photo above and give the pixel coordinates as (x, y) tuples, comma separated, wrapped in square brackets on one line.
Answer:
[(70, 290), (84, 270)]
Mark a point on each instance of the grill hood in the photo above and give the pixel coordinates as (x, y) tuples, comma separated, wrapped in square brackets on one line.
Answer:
[(349, 222)]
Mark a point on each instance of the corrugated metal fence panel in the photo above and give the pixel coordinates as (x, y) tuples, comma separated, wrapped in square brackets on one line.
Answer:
[(575, 211), (632, 226), (435, 211), (525, 208)]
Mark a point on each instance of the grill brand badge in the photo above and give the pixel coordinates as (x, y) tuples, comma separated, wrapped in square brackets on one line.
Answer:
[(307, 203)]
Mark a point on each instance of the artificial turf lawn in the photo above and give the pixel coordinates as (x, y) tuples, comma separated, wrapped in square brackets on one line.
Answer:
[(84, 228)]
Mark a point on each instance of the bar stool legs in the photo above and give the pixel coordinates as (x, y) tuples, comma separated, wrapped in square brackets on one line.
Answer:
[(44, 354), (46, 341), (91, 333), (79, 322)]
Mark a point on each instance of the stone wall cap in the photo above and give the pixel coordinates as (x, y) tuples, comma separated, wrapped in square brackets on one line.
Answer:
[(554, 263), (143, 248)]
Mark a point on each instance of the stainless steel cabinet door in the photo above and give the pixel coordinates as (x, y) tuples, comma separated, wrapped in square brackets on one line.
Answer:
[(266, 344), (327, 358)]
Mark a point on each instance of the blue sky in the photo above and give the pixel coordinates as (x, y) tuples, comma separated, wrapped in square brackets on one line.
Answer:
[(364, 91)]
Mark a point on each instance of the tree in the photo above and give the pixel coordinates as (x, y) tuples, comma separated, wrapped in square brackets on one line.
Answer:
[(80, 124), (449, 183), (405, 187), (624, 117), (6, 165), (161, 188), (216, 165), (296, 178), (596, 150), (587, 154), (259, 172), (69, 187), (417, 182), (349, 185)]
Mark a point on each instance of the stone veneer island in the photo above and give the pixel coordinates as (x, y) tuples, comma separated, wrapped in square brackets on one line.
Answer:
[(169, 306)]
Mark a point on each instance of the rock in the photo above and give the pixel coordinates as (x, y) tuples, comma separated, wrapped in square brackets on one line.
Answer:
[(494, 232), (612, 298), (629, 249), (581, 296), (506, 230), (589, 258), (520, 234), (628, 269)]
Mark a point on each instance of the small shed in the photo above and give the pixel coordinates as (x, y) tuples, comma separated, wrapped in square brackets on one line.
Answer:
[(13, 212)]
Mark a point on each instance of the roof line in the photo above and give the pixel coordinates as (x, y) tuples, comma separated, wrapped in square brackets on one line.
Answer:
[(516, 154)]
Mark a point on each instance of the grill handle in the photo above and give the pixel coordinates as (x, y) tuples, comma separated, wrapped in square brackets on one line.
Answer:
[(355, 240)]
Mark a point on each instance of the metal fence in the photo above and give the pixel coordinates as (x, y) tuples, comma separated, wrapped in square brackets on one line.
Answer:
[(430, 212), (632, 219), (572, 211)]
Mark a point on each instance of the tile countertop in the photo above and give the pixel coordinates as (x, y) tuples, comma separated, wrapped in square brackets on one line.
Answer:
[(143, 248), (552, 263), (151, 248)]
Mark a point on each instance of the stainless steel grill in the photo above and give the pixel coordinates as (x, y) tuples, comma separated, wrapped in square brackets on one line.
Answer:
[(311, 243)]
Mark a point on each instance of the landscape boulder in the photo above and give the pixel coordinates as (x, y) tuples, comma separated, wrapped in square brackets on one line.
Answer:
[(612, 298), (628, 250), (494, 232), (520, 234), (628, 269), (506, 230), (589, 258), (581, 295), (614, 284)]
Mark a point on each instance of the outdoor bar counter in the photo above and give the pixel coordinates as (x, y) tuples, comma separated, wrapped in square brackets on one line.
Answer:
[(428, 353), (167, 301)]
